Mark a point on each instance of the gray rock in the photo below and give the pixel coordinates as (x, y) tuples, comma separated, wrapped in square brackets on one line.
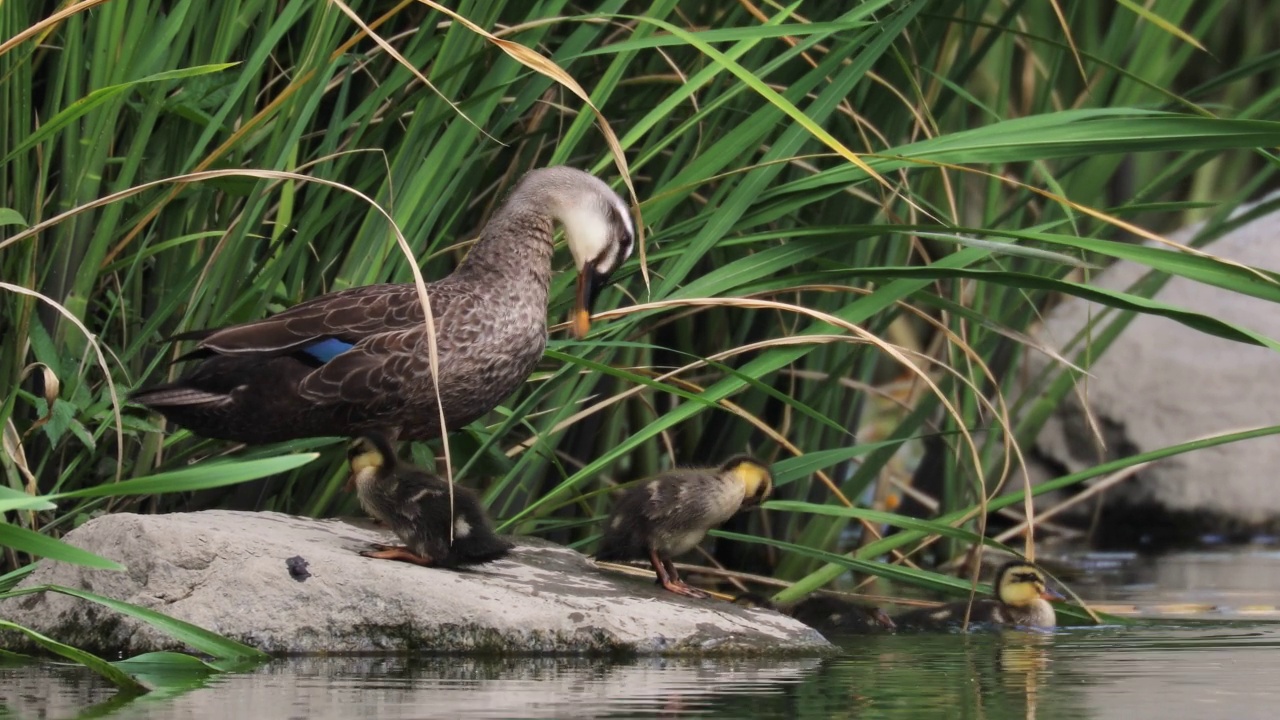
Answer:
[(1162, 383), (238, 574)]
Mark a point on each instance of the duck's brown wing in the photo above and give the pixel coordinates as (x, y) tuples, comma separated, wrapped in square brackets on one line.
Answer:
[(348, 316)]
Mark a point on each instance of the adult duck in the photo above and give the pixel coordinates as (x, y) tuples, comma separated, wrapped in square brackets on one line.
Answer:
[(356, 362)]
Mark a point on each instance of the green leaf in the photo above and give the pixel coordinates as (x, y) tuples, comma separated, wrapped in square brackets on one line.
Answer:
[(920, 578), (84, 105), (170, 661), (795, 468), (11, 657), (11, 499), (9, 216), (202, 640), (197, 477), (1113, 298), (114, 675), (760, 32), (13, 577), (883, 518), (33, 543)]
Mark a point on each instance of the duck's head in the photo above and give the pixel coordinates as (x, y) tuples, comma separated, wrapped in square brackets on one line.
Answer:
[(369, 455), (597, 227), (1019, 583), (755, 476)]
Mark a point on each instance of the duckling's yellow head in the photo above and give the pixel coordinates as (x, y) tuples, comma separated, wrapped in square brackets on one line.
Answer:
[(367, 453), (756, 479), (1020, 583)]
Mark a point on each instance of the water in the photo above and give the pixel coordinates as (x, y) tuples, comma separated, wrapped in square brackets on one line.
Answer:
[(1167, 668)]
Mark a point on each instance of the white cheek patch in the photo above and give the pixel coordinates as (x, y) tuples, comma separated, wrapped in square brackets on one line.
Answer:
[(587, 231)]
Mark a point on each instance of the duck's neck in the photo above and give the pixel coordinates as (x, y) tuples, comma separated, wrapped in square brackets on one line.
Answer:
[(513, 255)]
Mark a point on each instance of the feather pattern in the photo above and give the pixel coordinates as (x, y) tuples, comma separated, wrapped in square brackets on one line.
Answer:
[(357, 361)]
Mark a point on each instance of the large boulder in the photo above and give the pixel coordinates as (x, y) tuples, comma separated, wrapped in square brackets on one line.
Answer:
[(237, 574), (1162, 383)]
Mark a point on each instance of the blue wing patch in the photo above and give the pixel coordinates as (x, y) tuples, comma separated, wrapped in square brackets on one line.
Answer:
[(327, 349)]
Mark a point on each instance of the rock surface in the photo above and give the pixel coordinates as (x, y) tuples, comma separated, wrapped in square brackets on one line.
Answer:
[(1162, 383), (231, 573)]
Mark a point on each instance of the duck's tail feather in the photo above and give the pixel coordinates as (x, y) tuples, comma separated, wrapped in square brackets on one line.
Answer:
[(480, 550)]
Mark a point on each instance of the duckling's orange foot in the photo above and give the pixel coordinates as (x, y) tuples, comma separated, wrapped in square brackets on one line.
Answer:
[(397, 552), (680, 588)]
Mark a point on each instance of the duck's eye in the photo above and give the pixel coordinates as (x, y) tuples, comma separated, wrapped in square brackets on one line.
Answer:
[(625, 240)]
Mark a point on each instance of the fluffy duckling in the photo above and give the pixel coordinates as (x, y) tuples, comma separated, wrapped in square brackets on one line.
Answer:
[(415, 505), (833, 616), (668, 515), (828, 615), (1021, 599)]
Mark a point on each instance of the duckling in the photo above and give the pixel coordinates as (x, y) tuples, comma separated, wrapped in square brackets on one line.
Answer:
[(833, 616), (668, 515), (415, 505), (358, 361), (826, 614), (1021, 600)]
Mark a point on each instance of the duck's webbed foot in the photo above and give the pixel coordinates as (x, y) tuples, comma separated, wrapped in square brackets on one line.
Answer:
[(678, 587), (670, 580), (398, 552)]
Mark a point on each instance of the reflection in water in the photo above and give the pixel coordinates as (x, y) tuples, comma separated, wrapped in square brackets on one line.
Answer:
[(1108, 673), (988, 675)]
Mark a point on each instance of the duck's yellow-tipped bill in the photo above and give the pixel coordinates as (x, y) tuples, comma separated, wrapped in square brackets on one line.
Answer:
[(581, 322), (589, 284)]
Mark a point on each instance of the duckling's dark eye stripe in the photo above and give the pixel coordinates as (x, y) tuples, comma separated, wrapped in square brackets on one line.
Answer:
[(1027, 578)]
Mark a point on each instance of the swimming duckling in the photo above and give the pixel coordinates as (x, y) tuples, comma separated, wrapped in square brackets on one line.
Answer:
[(1021, 599), (833, 616), (415, 505), (826, 614), (668, 515)]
